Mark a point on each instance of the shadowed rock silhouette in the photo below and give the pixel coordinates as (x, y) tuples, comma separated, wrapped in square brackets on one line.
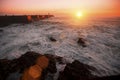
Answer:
[(35, 71), (34, 66)]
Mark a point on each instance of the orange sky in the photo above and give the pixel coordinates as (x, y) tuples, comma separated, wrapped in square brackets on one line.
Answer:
[(102, 7)]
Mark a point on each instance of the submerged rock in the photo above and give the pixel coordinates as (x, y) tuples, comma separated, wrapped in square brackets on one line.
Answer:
[(52, 39), (82, 42)]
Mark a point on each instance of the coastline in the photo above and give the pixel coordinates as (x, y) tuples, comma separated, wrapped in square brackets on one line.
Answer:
[(7, 20)]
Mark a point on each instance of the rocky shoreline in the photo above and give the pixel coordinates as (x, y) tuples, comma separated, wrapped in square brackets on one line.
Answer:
[(35, 66)]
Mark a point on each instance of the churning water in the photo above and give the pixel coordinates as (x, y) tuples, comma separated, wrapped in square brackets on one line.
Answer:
[(102, 37)]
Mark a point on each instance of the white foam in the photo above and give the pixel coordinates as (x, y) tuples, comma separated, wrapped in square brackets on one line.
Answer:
[(102, 51)]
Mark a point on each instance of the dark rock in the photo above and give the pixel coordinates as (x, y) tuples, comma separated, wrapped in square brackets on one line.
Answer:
[(73, 71), (52, 39), (79, 71), (51, 67), (52, 63), (60, 60), (26, 60), (14, 76), (114, 77), (4, 68), (81, 42), (8, 67), (35, 72), (76, 71), (1, 30)]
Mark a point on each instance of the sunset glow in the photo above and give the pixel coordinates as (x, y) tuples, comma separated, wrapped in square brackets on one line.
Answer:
[(59, 39), (92, 7), (79, 14)]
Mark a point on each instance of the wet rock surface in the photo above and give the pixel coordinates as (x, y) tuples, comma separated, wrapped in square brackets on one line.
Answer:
[(19, 65), (82, 42), (35, 72), (76, 71), (35, 66), (52, 39), (79, 71), (1, 30)]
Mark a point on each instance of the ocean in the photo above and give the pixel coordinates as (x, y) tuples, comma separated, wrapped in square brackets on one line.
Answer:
[(101, 35)]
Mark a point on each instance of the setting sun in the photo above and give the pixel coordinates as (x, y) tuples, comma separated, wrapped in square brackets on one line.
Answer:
[(79, 14), (39, 38)]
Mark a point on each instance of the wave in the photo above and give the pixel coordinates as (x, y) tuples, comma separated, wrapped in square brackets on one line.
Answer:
[(102, 38)]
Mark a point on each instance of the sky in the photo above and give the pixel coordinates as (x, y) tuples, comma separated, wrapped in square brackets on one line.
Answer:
[(104, 7)]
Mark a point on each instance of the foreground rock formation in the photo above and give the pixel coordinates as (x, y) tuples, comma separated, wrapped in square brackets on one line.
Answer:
[(27, 62), (76, 71), (35, 72), (79, 71), (34, 66)]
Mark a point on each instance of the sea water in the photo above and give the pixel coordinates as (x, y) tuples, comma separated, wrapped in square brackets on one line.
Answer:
[(102, 37)]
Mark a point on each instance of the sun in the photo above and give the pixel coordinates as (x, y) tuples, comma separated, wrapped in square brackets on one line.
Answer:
[(79, 14)]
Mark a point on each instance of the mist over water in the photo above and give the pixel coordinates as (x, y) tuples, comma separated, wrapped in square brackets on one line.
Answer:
[(102, 37)]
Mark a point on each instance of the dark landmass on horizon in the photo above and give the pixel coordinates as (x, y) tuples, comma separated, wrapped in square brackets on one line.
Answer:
[(7, 20)]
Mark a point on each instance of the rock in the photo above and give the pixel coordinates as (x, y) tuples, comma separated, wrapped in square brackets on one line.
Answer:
[(42, 62), (14, 76), (81, 42), (51, 69), (52, 39), (76, 71), (33, 73), (113, 77), (60, 60), (1, 30), (10, 66), (25, 61), (28, 63), (34, 66), (52, 63), (4, 68), (79, 71)]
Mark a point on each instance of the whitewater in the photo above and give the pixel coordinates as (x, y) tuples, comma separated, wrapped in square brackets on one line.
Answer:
[(102, 37)]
